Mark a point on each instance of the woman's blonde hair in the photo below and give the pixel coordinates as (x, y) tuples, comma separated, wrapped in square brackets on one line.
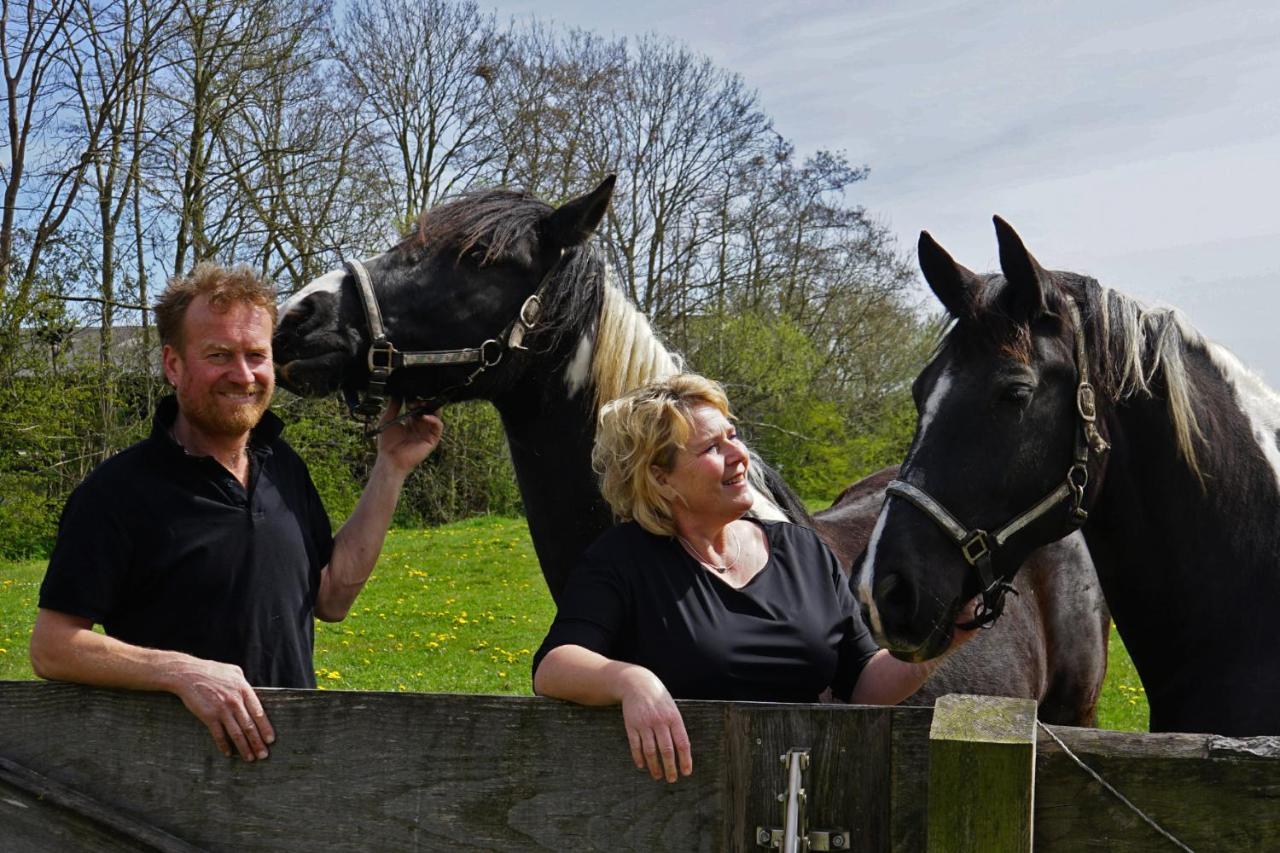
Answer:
[(643, 429)]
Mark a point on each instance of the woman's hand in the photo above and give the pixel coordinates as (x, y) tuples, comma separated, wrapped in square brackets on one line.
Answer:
[(655, 728)]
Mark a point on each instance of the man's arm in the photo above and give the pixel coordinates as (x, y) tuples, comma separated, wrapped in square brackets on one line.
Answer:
[(357, 545), (65, 648)]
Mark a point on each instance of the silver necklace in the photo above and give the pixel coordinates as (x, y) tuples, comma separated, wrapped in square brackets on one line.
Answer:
[(719, 569)]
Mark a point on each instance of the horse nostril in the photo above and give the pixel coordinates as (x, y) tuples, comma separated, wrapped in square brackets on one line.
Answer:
[(895, 597)]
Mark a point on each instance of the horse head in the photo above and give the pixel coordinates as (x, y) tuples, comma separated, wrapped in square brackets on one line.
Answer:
[(1005, 457), (454, 302)]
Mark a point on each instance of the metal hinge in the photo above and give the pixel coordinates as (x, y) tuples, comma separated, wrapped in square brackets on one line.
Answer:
[(795, 835)]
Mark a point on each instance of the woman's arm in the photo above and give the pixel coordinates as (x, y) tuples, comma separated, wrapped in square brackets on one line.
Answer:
[(655, 729), (885, 680)]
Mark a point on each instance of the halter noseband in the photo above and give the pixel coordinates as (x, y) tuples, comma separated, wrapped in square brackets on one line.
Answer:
[(384, 358), (977, 545)]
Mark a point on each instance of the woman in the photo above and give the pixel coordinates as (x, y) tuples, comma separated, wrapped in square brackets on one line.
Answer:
[(690, 598)]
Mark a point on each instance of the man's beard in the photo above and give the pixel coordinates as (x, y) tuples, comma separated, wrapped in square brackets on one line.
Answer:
[(213, 415)]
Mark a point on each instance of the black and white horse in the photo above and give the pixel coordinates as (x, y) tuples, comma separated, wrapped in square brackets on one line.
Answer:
[(1054, 404), (514, 286)]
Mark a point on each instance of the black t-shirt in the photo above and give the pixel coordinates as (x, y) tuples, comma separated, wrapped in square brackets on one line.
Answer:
[(786, 636), (169, 551)]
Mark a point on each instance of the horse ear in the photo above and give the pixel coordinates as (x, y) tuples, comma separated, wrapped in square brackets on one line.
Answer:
[(954, 285), (1028, 282), (574, 221)]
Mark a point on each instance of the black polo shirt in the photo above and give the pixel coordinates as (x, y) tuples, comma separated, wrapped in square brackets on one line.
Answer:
[(792, 631), (169, 551)]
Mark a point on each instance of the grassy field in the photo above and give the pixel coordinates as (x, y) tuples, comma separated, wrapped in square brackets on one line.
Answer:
[(456, 609)]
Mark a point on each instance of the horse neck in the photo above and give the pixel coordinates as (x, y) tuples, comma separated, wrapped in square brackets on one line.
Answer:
[(550, 433), (1178, 559), (550, 421)]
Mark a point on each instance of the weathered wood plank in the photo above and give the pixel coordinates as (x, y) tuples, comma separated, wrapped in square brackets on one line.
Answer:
[(1210, 793), (982, 753), (909, 779), (364, 771), (31, 824), (847, 781), (74, 813), (361, 771)]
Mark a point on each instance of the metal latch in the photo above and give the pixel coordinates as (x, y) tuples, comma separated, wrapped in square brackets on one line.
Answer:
[(795, 836)]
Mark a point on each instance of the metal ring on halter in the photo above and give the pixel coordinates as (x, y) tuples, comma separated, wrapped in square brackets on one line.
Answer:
[(485, 361)]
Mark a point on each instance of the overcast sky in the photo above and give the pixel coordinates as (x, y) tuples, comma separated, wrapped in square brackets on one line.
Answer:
[(1136, 142)]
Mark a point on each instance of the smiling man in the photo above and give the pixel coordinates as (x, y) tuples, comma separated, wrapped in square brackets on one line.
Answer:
[(204, 550)]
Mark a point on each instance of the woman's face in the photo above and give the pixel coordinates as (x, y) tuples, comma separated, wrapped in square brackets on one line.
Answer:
[(710, 473)]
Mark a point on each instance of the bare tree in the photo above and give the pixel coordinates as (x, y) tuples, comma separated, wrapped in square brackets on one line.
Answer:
[(43, 172), (421, 70)]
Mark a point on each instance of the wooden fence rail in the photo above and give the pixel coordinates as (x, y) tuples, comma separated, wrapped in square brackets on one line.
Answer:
[(85, 769)]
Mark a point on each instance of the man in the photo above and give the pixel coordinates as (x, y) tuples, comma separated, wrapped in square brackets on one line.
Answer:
[(204, 551)]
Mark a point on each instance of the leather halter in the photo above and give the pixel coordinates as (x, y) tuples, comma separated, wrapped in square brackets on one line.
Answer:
[(978, 546), (384, 359)]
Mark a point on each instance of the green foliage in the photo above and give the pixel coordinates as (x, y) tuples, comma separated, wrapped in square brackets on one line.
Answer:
[(778, 385), (54, 430), (336, 453), (28, 517), (469, 473)]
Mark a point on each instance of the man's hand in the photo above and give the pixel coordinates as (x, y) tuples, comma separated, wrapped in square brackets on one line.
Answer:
[(406, 444), (64, 647), (219, 696)]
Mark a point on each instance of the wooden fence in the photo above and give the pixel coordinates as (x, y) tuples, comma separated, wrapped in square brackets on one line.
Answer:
[(85, 769)]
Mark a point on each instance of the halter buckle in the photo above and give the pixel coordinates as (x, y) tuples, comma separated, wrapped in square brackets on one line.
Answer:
[(975, 547), (1086, 402), (381, 357)]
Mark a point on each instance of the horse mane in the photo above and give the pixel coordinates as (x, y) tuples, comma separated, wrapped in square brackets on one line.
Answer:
[(488, 220), (627, 353), (1142, 347)]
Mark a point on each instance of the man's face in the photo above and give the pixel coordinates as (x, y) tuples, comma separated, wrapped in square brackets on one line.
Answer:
[(223, 373)]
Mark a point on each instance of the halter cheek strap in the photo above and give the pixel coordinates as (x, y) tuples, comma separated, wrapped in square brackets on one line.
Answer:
[(978, 546), (384, 358)]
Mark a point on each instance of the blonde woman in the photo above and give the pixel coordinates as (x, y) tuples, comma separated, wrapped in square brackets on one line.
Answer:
[(690, 598)]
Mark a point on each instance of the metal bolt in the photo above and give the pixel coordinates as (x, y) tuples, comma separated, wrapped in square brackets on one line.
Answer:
[(762, 836), (837, 840), (782, 798)]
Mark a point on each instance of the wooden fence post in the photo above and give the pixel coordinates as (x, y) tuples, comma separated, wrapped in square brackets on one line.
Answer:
[(982, 759)]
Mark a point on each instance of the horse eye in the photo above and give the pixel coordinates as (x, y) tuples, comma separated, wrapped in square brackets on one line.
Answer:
[(1019, 393)]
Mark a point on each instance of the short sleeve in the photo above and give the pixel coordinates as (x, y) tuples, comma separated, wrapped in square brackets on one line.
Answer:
[(593, 610), (856, 647), (88, 570)]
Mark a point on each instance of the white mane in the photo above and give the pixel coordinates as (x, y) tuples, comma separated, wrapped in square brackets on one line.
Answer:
[(1144, 344)]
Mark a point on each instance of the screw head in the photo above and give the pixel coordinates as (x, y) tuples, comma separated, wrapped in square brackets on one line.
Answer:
[(762, 836), (837, 840)]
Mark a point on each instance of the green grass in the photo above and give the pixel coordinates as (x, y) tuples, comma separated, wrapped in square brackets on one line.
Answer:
[(454, 609)]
